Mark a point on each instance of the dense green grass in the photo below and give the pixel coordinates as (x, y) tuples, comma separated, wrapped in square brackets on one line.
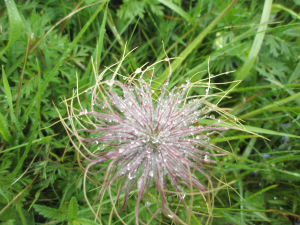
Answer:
[(44, 44)]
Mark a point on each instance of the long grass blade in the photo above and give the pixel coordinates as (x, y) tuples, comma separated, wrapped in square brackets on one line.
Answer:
[(184, 54), (15, 24), (259, 37), (275, 104)]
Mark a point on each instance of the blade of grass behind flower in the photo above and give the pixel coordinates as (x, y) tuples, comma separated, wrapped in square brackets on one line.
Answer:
[(259, 37), (185, 35), (275, 104), (185, 53), (257, 130), (278, 6)]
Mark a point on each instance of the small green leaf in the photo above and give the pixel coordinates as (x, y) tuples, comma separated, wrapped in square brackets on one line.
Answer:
[(293, 32), (295, 74), (37, 195), (177, 9), (73, 209), (15, 24), (50, 213), (3, 194)]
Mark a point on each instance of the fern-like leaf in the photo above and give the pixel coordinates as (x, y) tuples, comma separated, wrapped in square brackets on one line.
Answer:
[(50, 213), (73, 209)]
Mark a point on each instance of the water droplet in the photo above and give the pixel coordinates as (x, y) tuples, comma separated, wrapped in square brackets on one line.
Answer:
[(275, 198), (124, 78), (151, 173), (211, 76), (88, 91), (138, 70), (212, 116), (110, 82), (206, 158), (188, 80), (95, 142)]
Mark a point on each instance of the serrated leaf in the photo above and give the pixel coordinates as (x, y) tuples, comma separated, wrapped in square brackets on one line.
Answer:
[(293, 32), (131, 9), (156, 9), (73, 209), (3, 194), (50, 213), (83, 221)]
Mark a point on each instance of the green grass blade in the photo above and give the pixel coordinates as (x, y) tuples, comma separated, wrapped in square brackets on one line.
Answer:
[(238, 137), (64, 56), (295, 74), (257, 130), (256, 194), (100, 40), (4, 129), (184, 54), (270, 132), (275, 104), (176, 9), (281, 7), (259, 37), (44, 140), (15, 24), (9, 100)]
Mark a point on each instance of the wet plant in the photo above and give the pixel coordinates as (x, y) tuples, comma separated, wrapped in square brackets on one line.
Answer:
[(135, 137)]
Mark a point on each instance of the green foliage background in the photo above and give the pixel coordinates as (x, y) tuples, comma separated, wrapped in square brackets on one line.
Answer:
[(41, 53)]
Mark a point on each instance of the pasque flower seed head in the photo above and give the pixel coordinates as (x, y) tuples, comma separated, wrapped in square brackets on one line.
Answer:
[(146, 138)]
